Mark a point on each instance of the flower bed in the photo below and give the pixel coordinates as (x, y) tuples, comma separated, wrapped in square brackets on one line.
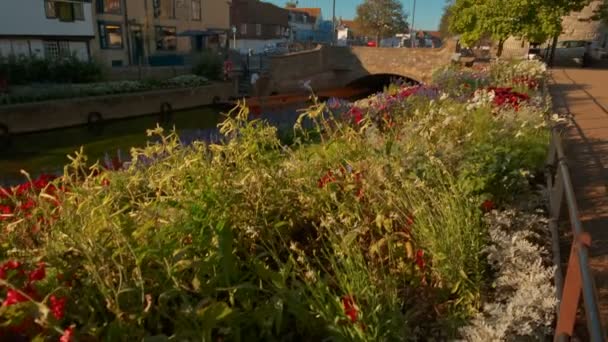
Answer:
[(55, 92), (369, 226)]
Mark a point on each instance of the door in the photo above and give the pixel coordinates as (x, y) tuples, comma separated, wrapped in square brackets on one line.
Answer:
[(137, 42)]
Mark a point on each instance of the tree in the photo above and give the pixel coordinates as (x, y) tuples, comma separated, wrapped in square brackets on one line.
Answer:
[(535, 20), (601, 13), (444, 24), (291, 4), (380, 18)]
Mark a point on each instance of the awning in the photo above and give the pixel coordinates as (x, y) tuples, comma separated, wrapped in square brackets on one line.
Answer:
[(208, 32)]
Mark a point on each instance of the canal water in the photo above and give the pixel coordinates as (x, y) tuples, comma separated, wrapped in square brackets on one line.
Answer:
[(46, 152)]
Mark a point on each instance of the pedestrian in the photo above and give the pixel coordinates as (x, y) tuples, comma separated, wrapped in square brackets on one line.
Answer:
[(254, 80), (587, 55), (227, 69)]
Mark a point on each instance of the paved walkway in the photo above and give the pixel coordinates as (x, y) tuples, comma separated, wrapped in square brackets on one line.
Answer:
[(582, 94)]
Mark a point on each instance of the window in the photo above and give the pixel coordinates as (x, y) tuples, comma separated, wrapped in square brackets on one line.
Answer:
[(78, 11), (258, 29), (49, 8), (196, 9), (65, 11), (51, 50), (277, 30), (56, 49), (243, 28), (164, 9), (110, 36), (166, 38), (109, 6)]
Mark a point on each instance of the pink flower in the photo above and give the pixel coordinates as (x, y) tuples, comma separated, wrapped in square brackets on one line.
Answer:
[(57, 306), (68, 335), (13, 297)]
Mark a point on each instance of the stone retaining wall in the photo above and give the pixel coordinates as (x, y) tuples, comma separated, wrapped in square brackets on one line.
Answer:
[(32, 117)]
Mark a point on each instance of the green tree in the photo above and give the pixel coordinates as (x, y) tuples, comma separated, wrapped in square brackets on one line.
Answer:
[(291, 4), (535, 20), (601, 13), (444, 24), (381, 18)]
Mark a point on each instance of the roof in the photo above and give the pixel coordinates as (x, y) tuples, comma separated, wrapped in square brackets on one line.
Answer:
[(311, 11)]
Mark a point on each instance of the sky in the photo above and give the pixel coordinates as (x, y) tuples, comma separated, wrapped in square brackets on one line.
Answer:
[(428, 12)]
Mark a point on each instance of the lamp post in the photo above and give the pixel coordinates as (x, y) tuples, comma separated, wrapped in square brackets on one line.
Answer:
[(412, 37), (234, 37), (333, 24)]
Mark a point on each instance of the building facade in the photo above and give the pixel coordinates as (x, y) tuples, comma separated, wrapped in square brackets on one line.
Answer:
[(304, 22), (157, 32), (258, 24), (46, 28)]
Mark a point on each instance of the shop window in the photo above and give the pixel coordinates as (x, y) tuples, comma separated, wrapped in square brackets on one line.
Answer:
[(166, 38), (110, 35)]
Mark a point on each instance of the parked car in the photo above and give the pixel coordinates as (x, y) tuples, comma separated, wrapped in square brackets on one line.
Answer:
[(372, 43), (570, 51), (276, 48)]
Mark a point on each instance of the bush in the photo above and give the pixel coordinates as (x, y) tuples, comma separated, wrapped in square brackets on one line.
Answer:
[(369, 227), (25, 70), (209, 65)]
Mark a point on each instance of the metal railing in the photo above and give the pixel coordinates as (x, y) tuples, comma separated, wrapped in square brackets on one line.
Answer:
[(579, 278)]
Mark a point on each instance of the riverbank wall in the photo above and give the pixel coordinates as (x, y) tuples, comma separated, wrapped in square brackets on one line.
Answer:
[(40, 116)]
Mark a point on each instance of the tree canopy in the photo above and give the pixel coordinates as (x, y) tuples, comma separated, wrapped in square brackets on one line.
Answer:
[(602, 12), (381, 18), (444, 24), (534, 20), (291, 4)]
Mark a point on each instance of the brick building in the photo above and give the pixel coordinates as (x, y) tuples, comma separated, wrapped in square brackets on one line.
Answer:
[(258, 24)]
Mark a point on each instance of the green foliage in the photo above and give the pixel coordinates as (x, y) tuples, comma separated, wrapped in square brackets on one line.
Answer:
[(535, 20), (381, 18), (63, 91), (24, 70), (601, 13), (444, 23), (209, 65), (355, 232)]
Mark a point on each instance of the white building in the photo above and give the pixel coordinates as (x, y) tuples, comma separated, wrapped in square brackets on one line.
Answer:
[(45, 28)]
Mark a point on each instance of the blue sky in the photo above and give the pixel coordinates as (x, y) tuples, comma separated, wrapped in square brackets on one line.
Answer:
[(428, 12)]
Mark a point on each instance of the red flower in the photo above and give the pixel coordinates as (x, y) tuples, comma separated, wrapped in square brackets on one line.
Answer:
[(487, 205), (13, 297), (68, 335), (409, 220), (105, 182), (5, 210), (350, 308), (39, 273), (326, 179), (11, 265), (29, 204), (57, 306), (356, 115), (420, 259)]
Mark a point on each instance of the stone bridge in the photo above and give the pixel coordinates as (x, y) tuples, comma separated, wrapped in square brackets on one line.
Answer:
[(330, 67)]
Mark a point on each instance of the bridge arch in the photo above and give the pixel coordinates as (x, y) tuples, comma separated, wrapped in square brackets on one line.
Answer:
[(380, 80)]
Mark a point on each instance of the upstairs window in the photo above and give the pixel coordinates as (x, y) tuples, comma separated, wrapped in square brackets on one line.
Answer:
[(243, 29), (258, 29), (109, 6), (64, 11), (164, 9), (196, 9)]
